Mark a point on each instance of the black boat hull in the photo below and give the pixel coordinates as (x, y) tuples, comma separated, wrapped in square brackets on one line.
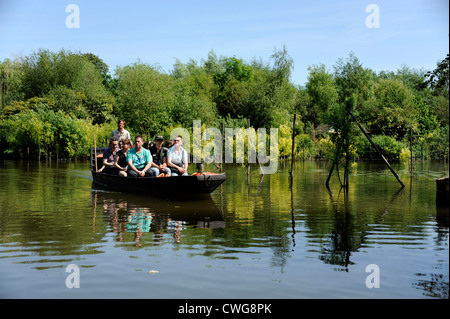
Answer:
[(175, 185)]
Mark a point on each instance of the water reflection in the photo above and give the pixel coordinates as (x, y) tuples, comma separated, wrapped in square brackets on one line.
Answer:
[(262, 235), (138, 215), (346, 235), (436, 285)]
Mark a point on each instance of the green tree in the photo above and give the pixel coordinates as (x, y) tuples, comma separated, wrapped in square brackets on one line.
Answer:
[(101, 66), (195, 92), (352, 79), (392, 112), (439, 105), (438, 79), (69, 75), (232, 85), (257, 91), (272, 97), (69, 101), (145, 98), (322, 93), (344, 137), (213, 66), (10, 82), (426, 121)]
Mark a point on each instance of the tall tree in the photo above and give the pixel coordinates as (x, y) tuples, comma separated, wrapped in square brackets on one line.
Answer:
[(438, 79), (10, 82), (145, 97), (352, 78), (322, 93)]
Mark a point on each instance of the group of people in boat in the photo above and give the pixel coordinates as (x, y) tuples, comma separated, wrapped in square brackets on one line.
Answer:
[(139, 159)]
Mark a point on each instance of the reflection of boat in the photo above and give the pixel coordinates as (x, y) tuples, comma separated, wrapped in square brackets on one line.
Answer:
[(146, 210), (154, 218), (189, 185)]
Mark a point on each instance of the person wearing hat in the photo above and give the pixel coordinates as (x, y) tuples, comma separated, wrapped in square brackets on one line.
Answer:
[(159, 155)]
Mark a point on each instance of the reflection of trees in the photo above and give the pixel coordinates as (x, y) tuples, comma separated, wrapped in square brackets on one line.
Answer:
[(347, 236), (344, 237), (435, 287), (257, 214), (46, 205)]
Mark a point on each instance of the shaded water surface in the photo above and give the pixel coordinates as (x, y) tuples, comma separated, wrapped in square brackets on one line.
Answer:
[(252, 238)]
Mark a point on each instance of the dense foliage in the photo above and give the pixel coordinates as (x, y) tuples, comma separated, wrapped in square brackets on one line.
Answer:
[(52, 104)]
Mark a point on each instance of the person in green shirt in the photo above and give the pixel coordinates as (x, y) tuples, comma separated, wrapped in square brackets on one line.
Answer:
[(139, 159)]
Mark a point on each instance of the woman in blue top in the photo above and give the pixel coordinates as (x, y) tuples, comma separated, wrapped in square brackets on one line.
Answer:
[(177, 158)]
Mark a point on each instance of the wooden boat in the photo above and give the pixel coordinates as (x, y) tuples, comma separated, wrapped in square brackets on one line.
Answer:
[(174, 185)]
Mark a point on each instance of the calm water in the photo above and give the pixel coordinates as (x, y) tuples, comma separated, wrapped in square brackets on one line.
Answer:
[(250, 239)]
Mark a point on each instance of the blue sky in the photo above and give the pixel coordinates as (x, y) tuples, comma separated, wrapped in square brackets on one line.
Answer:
[(413, 33)]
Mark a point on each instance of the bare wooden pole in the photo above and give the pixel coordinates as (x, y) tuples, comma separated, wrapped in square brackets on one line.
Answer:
[(293, 145), (335, 163), (346, 170), (376, 148), (250, 142), (223, 141), (411, 149), (327, 183), (95, 153), (248, 164)]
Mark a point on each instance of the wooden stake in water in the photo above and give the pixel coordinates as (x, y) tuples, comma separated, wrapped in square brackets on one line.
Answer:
[(293, 145), (411, 149), (376, 148), (95, 153)]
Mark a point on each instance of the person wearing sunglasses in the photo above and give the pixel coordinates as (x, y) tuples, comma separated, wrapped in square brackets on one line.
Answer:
[(177, 158), (159, 160)]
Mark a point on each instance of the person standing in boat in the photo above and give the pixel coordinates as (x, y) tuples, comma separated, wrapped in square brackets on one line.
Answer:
[(177, 158), (121, 133), (139, 159), (120, 160), (108, 156), (159, 157)]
